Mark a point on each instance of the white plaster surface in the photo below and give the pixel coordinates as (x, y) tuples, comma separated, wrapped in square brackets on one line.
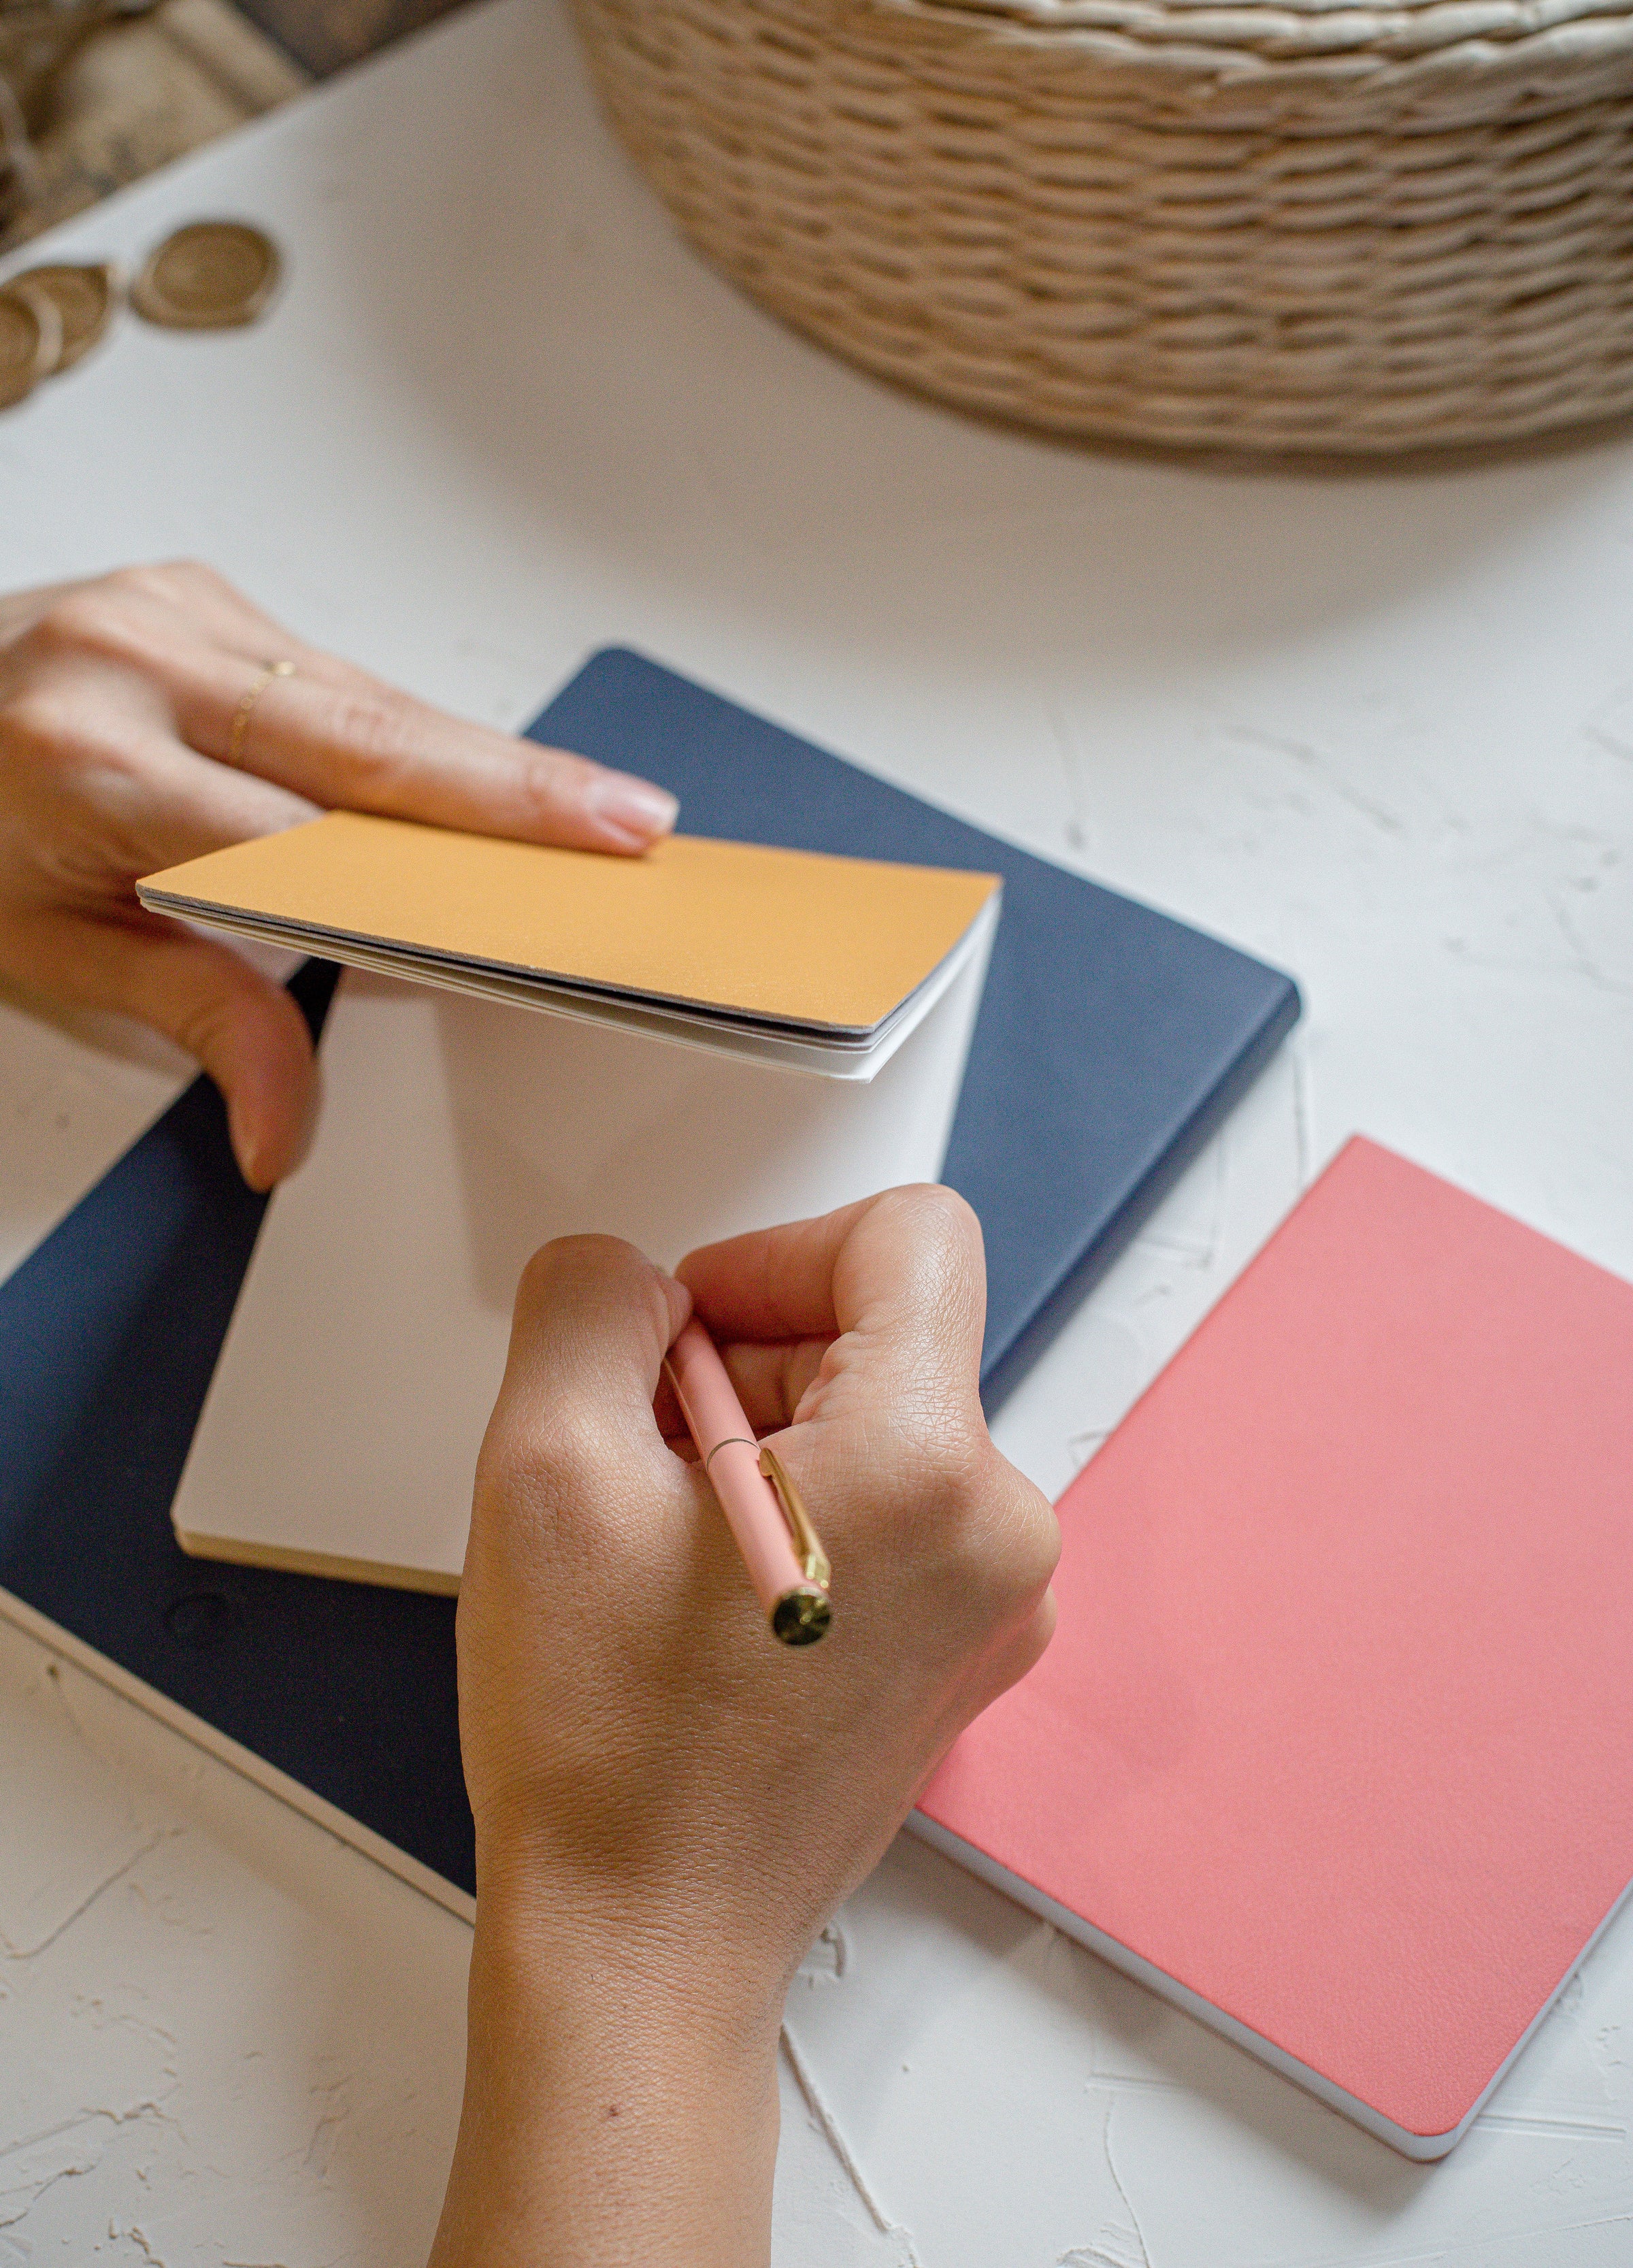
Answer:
[(1379, 729)]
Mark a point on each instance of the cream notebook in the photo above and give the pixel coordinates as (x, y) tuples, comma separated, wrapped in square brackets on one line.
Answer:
[(819, 963), (341, 1430)]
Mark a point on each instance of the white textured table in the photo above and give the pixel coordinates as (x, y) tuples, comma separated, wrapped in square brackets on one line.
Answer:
[(1379, 730)]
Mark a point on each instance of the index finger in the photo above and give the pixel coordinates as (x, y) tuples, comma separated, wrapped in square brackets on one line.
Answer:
[(905, 1264), (772, 1283), (336, 736)]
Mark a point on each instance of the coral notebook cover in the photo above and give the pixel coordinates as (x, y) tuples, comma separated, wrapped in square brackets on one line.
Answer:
[(1334, 1745)]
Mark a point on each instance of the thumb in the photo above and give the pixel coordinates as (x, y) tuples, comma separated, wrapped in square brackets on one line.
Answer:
[(244, 1029)]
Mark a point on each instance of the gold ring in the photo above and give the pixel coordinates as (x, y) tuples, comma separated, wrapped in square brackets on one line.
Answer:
[(252, 692)]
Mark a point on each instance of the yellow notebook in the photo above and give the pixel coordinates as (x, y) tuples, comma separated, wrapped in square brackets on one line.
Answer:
[(820, 963)]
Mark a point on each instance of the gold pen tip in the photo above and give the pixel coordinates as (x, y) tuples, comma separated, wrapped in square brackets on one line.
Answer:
[(802, 1616)]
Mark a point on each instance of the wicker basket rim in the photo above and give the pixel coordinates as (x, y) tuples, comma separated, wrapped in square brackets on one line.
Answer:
[(1290, 30)]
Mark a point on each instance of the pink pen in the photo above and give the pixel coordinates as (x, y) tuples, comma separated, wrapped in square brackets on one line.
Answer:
[(786, 1565)]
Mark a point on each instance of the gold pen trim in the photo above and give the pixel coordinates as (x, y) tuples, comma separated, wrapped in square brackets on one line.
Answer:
[(807, 1544)]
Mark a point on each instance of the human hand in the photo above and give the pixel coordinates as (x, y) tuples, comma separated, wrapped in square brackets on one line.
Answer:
[(668, 1804), (117, 703)]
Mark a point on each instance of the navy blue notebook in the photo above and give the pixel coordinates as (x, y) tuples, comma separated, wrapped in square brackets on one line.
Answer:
[(1110, 1041)]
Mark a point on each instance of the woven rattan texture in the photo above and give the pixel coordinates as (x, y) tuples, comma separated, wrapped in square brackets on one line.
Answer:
[(1322, 228)]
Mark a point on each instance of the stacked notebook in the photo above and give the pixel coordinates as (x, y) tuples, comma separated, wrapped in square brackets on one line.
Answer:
[(458, 1135), (778, 956), (460, 1131), (1104, 1045), (1334, 1745)]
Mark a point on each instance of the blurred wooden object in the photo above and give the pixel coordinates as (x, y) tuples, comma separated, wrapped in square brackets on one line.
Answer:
[(324, 35), (38, 39), (111, 89), (141, 92)]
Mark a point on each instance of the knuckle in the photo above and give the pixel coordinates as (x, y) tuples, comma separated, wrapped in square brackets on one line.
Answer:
[(174, 581), (940, 1229), (35, 722), (546, 778), (535, 1277), (142, 581), (87, 622), (935, 1211), (1031, 1542), (202, 1023), (1001, 1536), (195, 574), (375, 733), (543, 1452), (53, 746), (534, 1285)]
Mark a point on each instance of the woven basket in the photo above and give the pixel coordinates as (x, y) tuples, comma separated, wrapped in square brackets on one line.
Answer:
[(1284, 227)]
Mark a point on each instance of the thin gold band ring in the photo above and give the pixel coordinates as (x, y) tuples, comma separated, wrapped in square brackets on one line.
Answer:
[(242, 714)]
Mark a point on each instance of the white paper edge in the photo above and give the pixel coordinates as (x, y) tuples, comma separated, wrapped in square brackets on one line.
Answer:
[(672, 1027)]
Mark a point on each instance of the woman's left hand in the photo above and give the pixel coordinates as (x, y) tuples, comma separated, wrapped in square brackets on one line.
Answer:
[(141, 724)]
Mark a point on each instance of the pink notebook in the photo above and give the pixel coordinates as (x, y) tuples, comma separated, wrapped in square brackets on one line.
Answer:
[(1333, 1746)]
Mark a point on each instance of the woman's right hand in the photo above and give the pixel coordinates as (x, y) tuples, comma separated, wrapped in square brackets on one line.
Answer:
[(668, 1804)]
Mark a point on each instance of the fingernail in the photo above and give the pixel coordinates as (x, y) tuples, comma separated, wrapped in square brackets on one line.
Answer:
[(680, 1305), (633, 807), (265, 1152), (249, 1150)]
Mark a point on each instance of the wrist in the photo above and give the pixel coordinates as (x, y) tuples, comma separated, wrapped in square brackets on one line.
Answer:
[(670, 1982), (705, 1957), (621, 2100)]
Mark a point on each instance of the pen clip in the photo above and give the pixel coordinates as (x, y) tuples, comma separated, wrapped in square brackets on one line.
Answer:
[(807, 1545)]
